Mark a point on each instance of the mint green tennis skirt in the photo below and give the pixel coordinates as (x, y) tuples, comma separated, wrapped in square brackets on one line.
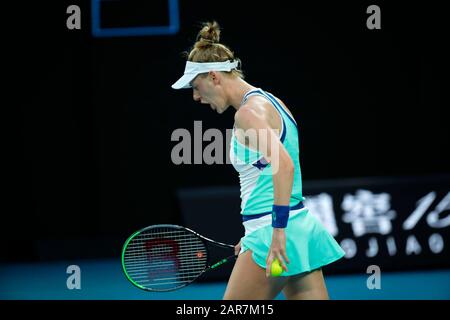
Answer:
[(309, 245)]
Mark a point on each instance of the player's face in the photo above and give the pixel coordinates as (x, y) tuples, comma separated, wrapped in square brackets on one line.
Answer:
[(207, 91)]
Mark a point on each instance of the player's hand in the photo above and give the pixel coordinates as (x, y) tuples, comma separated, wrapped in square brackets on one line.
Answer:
[(237, 248), (277, 250)]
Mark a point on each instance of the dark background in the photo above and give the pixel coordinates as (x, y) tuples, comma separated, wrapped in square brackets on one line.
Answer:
[(88, 155)]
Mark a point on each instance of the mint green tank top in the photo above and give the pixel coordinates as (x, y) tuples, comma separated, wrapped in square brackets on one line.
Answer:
[(255, 174)]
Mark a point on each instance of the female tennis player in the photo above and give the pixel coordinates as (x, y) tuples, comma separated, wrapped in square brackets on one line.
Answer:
[(277, 224)]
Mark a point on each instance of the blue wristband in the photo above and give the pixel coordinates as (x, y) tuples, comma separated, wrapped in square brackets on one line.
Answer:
[(280, 216)]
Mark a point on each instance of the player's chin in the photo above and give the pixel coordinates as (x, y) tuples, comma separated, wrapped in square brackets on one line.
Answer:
[(220, 110)]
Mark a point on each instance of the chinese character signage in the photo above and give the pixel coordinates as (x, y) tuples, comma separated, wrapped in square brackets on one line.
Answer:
[(397, 224)]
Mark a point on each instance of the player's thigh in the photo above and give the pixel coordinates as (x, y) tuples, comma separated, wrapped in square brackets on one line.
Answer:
[(307, 286), (248, 281)]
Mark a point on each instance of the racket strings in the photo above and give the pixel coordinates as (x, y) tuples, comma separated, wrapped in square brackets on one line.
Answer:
[(165, 258)]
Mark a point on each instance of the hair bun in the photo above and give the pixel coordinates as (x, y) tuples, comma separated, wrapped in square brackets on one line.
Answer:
[(208, 35)]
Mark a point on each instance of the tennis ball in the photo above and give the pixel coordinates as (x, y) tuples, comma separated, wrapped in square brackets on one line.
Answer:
[(276, 269)]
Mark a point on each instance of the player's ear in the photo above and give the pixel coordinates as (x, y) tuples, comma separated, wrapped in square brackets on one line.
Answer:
[(214, 76)]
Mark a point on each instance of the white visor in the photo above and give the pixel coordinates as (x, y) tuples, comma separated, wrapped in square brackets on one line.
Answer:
[(195, 68)]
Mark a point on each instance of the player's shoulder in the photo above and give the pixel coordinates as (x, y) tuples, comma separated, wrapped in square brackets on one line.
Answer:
[(256, 102), (254, 109)]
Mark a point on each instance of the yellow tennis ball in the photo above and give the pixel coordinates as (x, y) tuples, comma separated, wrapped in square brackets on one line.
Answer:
[(276, 269)]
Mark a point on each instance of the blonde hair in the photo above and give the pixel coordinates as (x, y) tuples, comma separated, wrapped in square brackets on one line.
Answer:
[(208, 49)]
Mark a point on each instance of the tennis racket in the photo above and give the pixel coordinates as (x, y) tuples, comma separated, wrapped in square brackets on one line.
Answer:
[(167, 257)]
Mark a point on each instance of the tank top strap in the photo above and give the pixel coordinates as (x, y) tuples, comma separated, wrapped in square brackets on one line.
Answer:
[(274, 103)]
